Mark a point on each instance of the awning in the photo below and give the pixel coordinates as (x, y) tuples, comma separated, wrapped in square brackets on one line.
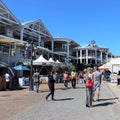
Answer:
[(5, 39), (2, 66)]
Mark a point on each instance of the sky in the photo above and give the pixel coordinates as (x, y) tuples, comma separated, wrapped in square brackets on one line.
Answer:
[(79, 20)]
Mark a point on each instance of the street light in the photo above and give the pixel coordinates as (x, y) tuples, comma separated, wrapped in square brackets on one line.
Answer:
[(31, 85), (30, 50)]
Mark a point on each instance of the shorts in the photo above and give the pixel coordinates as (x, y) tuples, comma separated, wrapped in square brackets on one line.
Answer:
[(96, 87)]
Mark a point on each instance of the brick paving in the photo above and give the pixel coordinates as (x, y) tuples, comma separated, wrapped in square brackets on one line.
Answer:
[(15, 101), (115, 89)]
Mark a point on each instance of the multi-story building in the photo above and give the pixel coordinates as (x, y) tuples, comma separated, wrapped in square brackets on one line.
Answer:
[(18, 39), (91, 54)]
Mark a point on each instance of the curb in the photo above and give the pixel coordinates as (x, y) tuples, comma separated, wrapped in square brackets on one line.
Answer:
[(113, 92)]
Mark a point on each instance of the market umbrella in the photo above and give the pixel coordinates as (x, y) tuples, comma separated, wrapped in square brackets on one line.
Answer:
[(21, 67)]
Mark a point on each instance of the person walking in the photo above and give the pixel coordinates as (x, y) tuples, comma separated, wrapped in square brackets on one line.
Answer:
[(81, 79), (65, 78), (97, 78), (73, 78), (36, 78), (88, 76), (7, 79), (51, 86), (118, 78)]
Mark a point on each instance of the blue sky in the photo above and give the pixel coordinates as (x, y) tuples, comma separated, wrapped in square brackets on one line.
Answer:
[(79, 20)]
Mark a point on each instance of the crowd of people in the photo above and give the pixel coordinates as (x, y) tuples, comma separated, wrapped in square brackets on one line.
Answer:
[(74, 77), (87, 76), (92, 74)]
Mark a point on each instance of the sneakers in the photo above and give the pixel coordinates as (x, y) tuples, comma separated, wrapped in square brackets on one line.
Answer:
[(53, 99), (95, 100), (89, 106), (46, 98)]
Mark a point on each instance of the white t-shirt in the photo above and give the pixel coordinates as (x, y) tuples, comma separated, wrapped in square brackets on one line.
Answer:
[(7, 77)]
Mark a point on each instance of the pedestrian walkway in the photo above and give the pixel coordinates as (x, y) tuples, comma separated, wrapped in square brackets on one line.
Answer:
[(114, 89), (24, 104), (16, 101), (70, 105)]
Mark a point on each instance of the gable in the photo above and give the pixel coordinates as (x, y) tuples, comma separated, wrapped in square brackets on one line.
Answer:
[(6, 17)]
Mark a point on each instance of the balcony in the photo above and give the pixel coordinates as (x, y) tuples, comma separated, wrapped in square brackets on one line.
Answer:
[(60, 50)]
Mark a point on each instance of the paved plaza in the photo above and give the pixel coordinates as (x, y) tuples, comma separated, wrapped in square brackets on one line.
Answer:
[(69, 105)]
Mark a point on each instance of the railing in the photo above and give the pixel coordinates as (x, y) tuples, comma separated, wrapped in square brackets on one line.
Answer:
[(60, 49)]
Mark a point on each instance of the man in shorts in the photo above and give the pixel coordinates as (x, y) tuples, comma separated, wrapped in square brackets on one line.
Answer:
[(97, 78)]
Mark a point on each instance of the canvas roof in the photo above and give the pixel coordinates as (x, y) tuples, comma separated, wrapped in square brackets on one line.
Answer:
[(41, 61)]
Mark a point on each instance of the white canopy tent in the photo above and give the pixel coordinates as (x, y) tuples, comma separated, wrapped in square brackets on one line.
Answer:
[(105, 66), (41, 61), (57, 61), (61, 64), (115, 61), (51, 60), (113, 65)]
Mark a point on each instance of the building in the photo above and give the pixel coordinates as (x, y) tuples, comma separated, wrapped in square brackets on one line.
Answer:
[(91, 54), (18, 40)]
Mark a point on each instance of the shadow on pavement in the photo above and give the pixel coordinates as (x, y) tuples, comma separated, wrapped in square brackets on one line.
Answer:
[(109, 99), (18, 88), (67, 88), (104, 104), (63, 99), (80, 88)]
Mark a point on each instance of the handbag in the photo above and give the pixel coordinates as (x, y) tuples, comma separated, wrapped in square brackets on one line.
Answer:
[(89, 84)]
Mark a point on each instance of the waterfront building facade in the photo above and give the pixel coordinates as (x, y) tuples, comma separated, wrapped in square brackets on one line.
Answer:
[(18, 40), (91, 54)]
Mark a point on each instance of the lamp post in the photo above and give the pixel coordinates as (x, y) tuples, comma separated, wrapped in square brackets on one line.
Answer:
[(31, 52), (31, 85)]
